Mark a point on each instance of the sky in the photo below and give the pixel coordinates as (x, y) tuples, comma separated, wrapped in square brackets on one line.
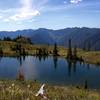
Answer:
[(51, 14)]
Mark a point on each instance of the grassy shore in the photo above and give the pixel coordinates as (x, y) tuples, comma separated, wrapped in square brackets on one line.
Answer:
[(16, 90), (92, 57)]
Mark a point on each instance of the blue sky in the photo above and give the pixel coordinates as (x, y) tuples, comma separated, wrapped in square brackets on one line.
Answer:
[(51, 14)]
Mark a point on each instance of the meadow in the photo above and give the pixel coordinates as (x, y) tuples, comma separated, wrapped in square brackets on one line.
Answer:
[(26, 90)]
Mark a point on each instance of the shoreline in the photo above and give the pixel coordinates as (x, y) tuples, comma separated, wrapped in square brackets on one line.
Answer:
[(90, 57), (88, 61)]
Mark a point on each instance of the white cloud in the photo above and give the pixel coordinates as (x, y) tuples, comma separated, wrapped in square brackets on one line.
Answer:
[(6, 20), (25, 12), (24, 15), (75, 1), (65, 2), (1, 17)]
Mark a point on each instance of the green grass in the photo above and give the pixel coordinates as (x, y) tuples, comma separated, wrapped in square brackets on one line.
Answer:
[(16, 90)]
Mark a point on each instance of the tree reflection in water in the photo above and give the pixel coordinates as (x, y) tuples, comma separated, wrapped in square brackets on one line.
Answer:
[(55, 60), (20, 75), (71, 67)]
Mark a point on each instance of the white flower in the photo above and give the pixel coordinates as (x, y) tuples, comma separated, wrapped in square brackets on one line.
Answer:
[(28, 86), (13, 85), (10, 87)]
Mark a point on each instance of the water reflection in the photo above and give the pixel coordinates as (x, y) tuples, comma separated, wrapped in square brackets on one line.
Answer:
[(0, 58), (21, 59), (86, 84), (42, 57), (20, 75), (55, 60), (42, 68), (88, 66), (71, 67), (74, 66)]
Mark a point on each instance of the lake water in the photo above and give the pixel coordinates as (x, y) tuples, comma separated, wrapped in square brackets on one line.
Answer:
[(50, 70)]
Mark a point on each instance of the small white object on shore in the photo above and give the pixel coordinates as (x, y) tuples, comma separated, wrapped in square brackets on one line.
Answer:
[(41, 91)]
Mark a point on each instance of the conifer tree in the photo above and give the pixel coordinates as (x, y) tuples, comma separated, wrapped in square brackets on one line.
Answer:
[(69, 53), (1, 51), (55, 51), (75, 53)]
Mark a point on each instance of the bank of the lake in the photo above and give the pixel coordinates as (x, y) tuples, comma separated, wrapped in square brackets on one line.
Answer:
[(26, 90), (92, 57)]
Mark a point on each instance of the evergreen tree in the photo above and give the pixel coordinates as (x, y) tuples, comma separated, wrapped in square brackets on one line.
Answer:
[(18, 48), (40, 52), (7, 39), (23, 52), (75, 53), (55, 51), (1, 51), (69, 53)]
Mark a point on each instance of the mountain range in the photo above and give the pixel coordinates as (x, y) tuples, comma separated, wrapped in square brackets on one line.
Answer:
[(81, 37)]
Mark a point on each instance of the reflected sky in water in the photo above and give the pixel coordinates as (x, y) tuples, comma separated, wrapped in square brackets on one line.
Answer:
[(50, 70)]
